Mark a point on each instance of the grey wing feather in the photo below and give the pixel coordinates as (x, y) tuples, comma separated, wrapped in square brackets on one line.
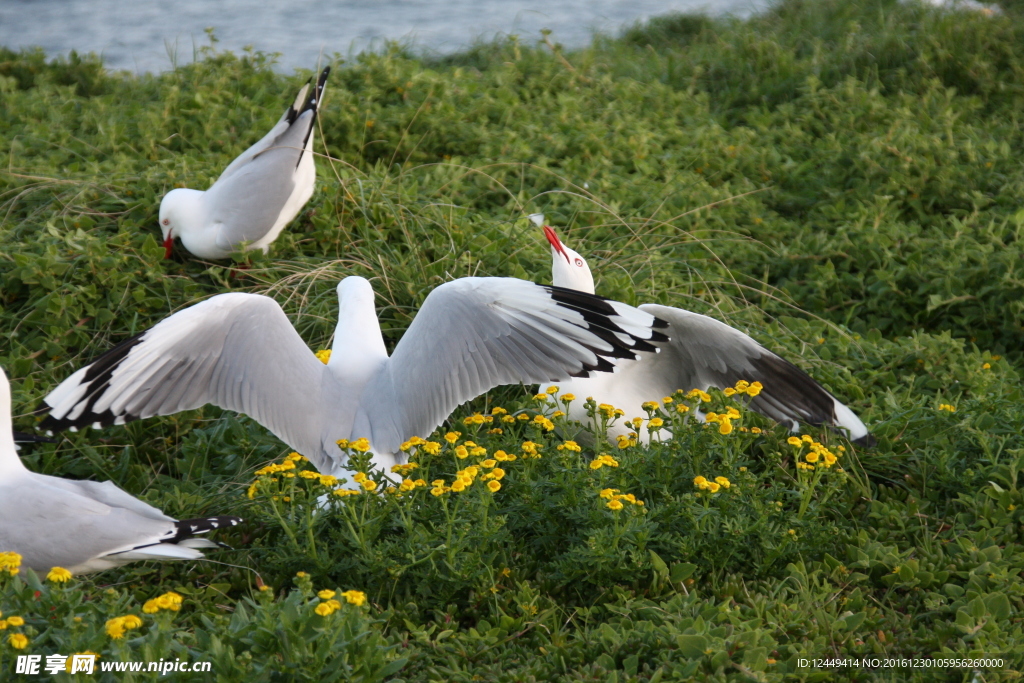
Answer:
[(705, 352), (248, 203), (106, 493), (57, 527), (267, 140), (236, 351), (474, 334)]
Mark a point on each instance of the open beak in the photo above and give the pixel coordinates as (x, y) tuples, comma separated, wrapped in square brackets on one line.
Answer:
[(169, 245), (556, 244)]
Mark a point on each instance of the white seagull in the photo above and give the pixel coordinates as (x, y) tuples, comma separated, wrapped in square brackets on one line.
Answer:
[(258, 194), (84, 526), (703, 353), (240, 352)]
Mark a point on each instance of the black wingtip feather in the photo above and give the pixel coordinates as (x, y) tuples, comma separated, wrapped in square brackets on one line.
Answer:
[(22, 437), (97, 377), (187, 528)]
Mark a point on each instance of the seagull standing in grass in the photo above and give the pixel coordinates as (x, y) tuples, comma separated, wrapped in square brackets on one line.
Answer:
[(703, 353), (258, 194), (240, 352), (84, 526)]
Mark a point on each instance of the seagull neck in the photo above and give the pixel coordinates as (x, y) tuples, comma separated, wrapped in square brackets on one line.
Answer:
[(9, 460), (358, 344)]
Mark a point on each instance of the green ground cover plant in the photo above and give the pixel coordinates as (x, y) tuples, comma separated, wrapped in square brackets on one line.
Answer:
[(840, 179)]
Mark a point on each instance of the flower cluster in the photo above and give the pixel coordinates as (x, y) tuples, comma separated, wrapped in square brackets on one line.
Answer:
[(117, 626), (169, 601), (284, 469), (946, 406), (323, 355), (626, 440), (569, 446), (16, 640), (428, 447), (602, 461), (743, 387), (724, 420), (530, 449), (465, 478), (10, 562), (615, 499), (817, 457), (361, 445), (704, 484)]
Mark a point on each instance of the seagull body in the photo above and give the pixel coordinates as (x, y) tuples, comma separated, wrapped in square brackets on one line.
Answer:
[(703, 353), (257, 195), (84, 526), (240, 352)]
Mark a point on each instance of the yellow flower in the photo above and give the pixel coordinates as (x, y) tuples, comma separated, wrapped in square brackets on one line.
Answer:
[(10, 561), (328, 480), (755, 430), (18, 641), (489, 463), (806, 439), (15, 621), (596, 464), (458, 486), (295, 457), (754, 389), (546, 424), (369, 484), (741, 386), (794, 441), (478, 451), (830, 460), (946, 406), (342, 443), (649, 405), (571, 446), (115, 628), (452, 437), (667, 400), (508, 419), (493, 486), (729, 391), (461, 452), (608, 460), (540, 397), (682, 408), (3, 624), (151, 607), (341, 493), (498, 411), (357, 598), (608, 493), (724, 425), (361, 445), (567, 398), (324, 609), (811, 457), (359, 477), (59, 575), (325, 594), (132, 621), (439, 491), (655, 424), (986, 366), (497, 473), (723, 482), (700, 481), (431, 448), (615, 504), (552, 390), (713, 487), (323, 355)]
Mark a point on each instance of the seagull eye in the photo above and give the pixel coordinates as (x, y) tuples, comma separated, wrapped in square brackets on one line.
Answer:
[(579, 263), (167, 221)]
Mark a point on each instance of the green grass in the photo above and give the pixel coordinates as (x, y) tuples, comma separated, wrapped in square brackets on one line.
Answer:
[(842, 180)]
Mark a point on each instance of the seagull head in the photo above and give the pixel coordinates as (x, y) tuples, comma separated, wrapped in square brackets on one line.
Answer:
[(178, 215), (568, 269)]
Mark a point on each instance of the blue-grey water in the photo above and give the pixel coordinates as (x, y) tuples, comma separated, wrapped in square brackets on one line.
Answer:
[(150, 35)]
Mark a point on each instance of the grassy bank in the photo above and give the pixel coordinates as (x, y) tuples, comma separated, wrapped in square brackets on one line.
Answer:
[(842, 180)]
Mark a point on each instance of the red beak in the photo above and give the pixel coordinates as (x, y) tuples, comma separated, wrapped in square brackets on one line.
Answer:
[(555, 242), (168, 245)]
